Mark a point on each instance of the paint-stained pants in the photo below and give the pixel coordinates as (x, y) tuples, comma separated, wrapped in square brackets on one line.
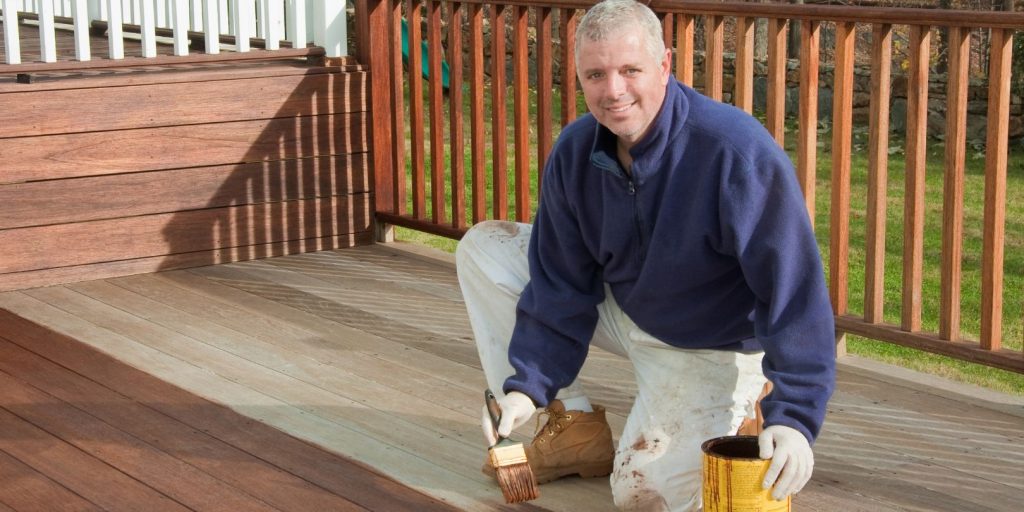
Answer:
[(684, 397)]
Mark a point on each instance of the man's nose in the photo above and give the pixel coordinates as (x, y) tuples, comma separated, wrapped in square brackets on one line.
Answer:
[(616, 85)]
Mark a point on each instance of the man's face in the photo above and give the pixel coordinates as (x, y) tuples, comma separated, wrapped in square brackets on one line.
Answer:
[(624, 85)]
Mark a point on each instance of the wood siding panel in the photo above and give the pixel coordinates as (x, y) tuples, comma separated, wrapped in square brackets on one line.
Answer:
[(104, 197), (89, 109), (109, 152), (201, 230), (175, 166)]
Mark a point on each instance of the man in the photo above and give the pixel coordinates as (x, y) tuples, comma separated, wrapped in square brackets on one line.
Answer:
[(671, 231)]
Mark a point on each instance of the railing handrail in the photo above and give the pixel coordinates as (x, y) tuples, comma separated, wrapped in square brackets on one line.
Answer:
[(834, 13)]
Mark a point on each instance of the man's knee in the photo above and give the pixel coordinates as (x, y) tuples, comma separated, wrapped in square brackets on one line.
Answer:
[(488, 236)]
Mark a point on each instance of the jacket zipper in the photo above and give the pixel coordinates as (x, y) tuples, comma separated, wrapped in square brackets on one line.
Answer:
[(638, 220)]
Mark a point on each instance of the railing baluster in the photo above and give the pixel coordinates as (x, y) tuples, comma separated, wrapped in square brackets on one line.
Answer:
[(544, 105), (12, 43), (842, 133), (272, 14), (419, 203), (298, 24), (147, 21), (521, 116), (684, 48), (457, 152), (47, 32), (917, 130), (807, 141), (953, 186), (476, 112), (211, 26), (80, 13), (181, 28), (744, 64), (995, 188), (398, 185), (775, 115), (436, 93), (713, 49), (243, 24), (499, 117), (878, 172), (567, 29), (115, 34)]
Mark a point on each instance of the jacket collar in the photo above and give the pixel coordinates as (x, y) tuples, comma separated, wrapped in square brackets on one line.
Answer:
[(652, 147)]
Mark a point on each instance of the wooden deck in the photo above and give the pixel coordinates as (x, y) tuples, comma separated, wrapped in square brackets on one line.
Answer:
[(366, 352)]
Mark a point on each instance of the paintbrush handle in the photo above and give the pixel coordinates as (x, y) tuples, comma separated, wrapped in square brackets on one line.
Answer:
[(495, 411)]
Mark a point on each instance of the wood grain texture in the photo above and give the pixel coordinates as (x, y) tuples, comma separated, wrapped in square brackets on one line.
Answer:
[(182, 232), (174, 147), (171, 424), (202, 101), (118, 195), (842, 141), (914, 189), (807, 142)]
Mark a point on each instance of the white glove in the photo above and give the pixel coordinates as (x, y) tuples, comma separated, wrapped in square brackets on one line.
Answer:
[(516, 409), (792, 460)]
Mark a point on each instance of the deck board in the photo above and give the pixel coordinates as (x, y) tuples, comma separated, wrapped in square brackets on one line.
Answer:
[(99, 415), (367, 352)]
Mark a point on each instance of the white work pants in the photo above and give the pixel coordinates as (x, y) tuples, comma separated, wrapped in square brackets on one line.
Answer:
[(684, 397)]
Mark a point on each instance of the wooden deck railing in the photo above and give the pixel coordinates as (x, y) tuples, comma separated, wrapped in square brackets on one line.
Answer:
[(455, 188)]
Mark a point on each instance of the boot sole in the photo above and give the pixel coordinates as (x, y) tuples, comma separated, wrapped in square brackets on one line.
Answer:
[(584, 471)]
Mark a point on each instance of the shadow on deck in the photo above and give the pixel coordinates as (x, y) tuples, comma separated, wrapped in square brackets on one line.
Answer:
[(366, 352)]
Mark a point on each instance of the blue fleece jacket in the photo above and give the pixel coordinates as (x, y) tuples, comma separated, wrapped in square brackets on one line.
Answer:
[(705, 244)]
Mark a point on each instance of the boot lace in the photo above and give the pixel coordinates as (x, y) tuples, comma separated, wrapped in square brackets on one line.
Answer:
[(555, 423)]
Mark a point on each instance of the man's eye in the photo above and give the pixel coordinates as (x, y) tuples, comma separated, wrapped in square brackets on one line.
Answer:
[(632, 71), (595, 76)]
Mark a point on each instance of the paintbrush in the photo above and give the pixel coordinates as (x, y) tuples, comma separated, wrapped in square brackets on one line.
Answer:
[(508, 458)]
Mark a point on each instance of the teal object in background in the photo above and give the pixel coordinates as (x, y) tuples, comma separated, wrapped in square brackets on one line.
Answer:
[(424, 64)]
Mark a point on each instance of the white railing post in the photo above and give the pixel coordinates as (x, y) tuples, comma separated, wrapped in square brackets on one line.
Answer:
[(329, 29), (80, 15), (148, 29), (115, 35), (243, 13), (11, 42), (272, 15), (298, 23), (180, 28), (47, 34), (211, 24)]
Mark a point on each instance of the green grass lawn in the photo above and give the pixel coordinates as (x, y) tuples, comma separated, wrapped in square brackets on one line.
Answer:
[(1013, 286)]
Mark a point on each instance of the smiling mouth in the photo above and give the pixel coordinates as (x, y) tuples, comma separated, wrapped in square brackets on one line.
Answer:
[(617, 109)]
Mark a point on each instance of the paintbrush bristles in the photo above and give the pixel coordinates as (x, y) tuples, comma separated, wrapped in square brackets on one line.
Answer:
[(517, 483), (515, 477)]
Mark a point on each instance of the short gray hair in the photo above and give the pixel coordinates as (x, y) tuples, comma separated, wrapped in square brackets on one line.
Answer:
[(609, 17)]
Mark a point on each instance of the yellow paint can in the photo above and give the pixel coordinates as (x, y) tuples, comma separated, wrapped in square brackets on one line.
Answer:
[(733, 472)]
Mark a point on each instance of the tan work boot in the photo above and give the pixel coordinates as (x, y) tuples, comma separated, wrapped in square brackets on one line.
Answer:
[(570, 443)]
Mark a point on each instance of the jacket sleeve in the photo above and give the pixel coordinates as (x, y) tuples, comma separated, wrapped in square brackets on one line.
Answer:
[(764, 219), (557, 312)]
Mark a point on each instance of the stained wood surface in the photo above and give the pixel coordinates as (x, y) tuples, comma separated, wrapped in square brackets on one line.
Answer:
[(160, 167), (367, 352), (83, 431)]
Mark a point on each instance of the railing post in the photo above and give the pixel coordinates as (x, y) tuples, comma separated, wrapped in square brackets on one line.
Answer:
[(373, 51)]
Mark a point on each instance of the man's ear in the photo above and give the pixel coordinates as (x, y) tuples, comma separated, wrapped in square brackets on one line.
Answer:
[(666, 65)]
